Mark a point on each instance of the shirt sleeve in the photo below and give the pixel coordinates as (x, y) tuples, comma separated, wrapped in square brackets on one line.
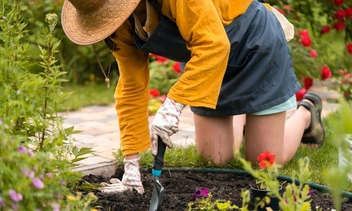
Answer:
[(132, 92), (206, 38)]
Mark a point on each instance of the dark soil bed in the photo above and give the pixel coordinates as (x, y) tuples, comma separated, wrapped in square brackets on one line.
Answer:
[(179, 187)]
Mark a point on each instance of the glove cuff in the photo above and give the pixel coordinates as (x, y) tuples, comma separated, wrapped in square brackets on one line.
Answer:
[(179, 106)]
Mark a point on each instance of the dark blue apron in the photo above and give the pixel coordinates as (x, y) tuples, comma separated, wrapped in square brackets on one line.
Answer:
[(259, 73)]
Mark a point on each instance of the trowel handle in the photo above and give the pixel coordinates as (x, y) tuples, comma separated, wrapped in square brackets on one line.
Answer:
[(159, 158)]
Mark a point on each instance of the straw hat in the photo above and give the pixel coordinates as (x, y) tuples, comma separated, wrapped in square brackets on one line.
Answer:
[(87, 22)]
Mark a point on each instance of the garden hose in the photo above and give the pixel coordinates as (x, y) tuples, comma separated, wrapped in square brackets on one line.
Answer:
[(318, 187)]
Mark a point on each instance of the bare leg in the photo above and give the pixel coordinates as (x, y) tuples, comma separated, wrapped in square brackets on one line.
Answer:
[(238, 125), (215, 138), (272, 133)]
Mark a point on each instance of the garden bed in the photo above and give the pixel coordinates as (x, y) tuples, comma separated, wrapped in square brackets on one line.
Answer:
[(179, 187)]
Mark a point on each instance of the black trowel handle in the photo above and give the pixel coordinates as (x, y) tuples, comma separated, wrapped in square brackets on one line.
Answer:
[(159, 158)]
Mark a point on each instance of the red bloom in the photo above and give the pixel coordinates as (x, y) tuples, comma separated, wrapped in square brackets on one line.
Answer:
[(325, 29), (341, 71), (339, 26), (280, 11), (338, 2), (300, 94), (305, 39), (308, 82), (313, 53), (161, 59), (177, 67), (266, 159), (349, 48), (154, 92), (325, 73), (348, 11), (340, 14)]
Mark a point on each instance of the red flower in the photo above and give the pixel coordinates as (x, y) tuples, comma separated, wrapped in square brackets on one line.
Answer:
[(266, 159), (340, 14), (341, 71), (325, 29), (308, 82), (313, 53), (348, 11), (154, 92), (280, 11), (161, 59), (177, 67), (153, 55), (338, 2), (305, 39), (349, 48), (300, 94), (339, 26), (325, 73)]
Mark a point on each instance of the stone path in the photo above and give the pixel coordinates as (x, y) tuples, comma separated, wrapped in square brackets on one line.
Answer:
[(99, 126)]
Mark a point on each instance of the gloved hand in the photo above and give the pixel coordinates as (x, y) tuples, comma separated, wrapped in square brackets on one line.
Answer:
[(165, 123), (131, 179)]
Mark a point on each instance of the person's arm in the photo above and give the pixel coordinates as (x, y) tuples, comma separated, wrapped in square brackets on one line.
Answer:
[(201, 27), (132, 92)]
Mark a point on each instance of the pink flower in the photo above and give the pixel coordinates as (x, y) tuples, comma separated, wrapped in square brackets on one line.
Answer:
[(22, 150), (162, 98), (200, 192), (340, 14), (15, 196), (177, 67), (308, 82), (325, 29), (300, 94), (313, 53), (325, 72), (37, 183), (2, 203), (339, 26), (338, 2), (347, 79), (349, 48), (154, 92), (27, 173), (305, 39)]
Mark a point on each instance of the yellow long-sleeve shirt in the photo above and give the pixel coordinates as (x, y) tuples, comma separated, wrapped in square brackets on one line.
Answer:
[(201, 24)]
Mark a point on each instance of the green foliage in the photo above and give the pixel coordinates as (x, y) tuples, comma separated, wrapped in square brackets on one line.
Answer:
[(35, 169), (78, 61), (336, 175)]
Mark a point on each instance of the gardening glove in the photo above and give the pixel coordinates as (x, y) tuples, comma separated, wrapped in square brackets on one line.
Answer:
[(131, 179), (165, 123)]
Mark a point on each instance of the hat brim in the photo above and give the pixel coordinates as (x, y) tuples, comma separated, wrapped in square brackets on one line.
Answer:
[(89, 28)]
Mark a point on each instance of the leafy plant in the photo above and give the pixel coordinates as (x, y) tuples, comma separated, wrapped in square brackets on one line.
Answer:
[(35, 170)]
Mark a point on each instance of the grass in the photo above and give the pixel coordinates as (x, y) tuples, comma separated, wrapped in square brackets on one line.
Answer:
[(88, 95)]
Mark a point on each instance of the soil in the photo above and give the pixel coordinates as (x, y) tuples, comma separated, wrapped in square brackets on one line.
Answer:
[(179, 187)]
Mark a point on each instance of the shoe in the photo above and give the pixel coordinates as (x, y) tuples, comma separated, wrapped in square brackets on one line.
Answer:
[(316, 125)]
